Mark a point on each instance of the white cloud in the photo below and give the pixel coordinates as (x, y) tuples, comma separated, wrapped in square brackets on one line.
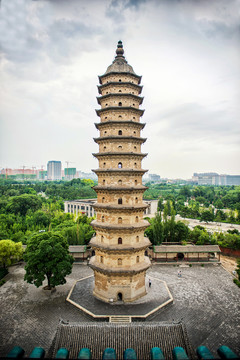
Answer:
[(187, 52)]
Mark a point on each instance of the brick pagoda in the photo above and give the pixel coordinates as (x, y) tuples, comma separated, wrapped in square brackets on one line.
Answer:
[(119, 262)]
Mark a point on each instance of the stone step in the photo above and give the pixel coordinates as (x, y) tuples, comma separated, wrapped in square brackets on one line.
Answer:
[(120, 319)]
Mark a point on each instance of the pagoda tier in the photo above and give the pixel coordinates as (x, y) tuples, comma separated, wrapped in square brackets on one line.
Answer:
[(116, 86), (111, 245), (126, 110), (121, 76), (119, 262), (126, 100)]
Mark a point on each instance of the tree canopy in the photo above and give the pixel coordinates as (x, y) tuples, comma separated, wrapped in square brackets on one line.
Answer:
[(10, 252), (47, 256)]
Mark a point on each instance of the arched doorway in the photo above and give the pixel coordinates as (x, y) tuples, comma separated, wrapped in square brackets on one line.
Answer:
[(119, 296), (93, 253), (180, 256)]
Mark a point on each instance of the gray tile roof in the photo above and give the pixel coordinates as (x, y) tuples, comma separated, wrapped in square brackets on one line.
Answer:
[(186, 248), (139, 336)]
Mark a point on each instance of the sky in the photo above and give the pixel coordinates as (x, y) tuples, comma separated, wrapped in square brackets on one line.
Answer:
[(187, 52)]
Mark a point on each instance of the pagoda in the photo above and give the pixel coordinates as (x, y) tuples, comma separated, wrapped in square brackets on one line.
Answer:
[(119, 262)]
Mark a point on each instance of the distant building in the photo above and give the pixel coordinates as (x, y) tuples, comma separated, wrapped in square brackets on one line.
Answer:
[(83, 175), (42, 174), (154, 178), (216, 179), (80, 207), (54, 170), (70, 173)]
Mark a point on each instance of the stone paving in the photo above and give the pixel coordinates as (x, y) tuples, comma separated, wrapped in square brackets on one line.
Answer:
[(205, 300), (156, 296)]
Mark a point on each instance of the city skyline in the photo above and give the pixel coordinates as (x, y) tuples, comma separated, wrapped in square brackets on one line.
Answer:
[(187, 53)]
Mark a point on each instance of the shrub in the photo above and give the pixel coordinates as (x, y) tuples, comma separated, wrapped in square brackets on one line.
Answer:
[(2, 282), (237, 282)]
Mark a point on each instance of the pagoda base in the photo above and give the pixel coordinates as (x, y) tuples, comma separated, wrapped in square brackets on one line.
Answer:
[(117, 287)]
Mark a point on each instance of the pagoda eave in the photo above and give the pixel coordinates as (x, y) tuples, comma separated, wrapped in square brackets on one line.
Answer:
[(117, 122), (120, 137), (117, 208), (120, 189), (138, 226), (120, 108), (130, 155), (120, 171)]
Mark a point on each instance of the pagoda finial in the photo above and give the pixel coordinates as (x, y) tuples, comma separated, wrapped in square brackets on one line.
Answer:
[(119, 50)]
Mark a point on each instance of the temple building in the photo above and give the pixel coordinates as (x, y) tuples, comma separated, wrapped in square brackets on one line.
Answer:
[(119, 260)]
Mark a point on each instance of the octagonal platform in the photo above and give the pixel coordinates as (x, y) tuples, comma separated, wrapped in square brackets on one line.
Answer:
[(158, 296)]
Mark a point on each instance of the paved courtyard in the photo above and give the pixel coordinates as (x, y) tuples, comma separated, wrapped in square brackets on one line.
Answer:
[(81, 295), (205, 300)]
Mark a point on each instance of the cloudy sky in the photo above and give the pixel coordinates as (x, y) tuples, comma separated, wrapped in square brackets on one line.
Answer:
[(187, 51)]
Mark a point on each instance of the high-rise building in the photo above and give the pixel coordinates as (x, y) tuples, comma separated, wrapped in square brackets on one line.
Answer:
[(54, 170), (119, 263), (70, 173), (154, 178)]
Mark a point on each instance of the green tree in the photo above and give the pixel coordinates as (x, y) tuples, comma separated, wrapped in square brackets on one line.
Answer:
[(181, 231), (21, 204), (157, 229), (47, 256), (10, 252), (207, 216), (219, 204), (185, 192), (160, 204)]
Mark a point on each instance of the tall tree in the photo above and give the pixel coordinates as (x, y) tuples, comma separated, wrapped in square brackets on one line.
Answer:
[(47, 256), (157, 229)]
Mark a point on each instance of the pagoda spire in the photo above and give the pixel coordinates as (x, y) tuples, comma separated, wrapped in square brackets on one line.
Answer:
[(119, 50)]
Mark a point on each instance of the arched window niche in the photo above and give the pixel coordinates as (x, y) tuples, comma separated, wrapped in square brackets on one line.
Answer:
[(119, 132), (119, 240), (119, 220), (120, 201), (120, 165)]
